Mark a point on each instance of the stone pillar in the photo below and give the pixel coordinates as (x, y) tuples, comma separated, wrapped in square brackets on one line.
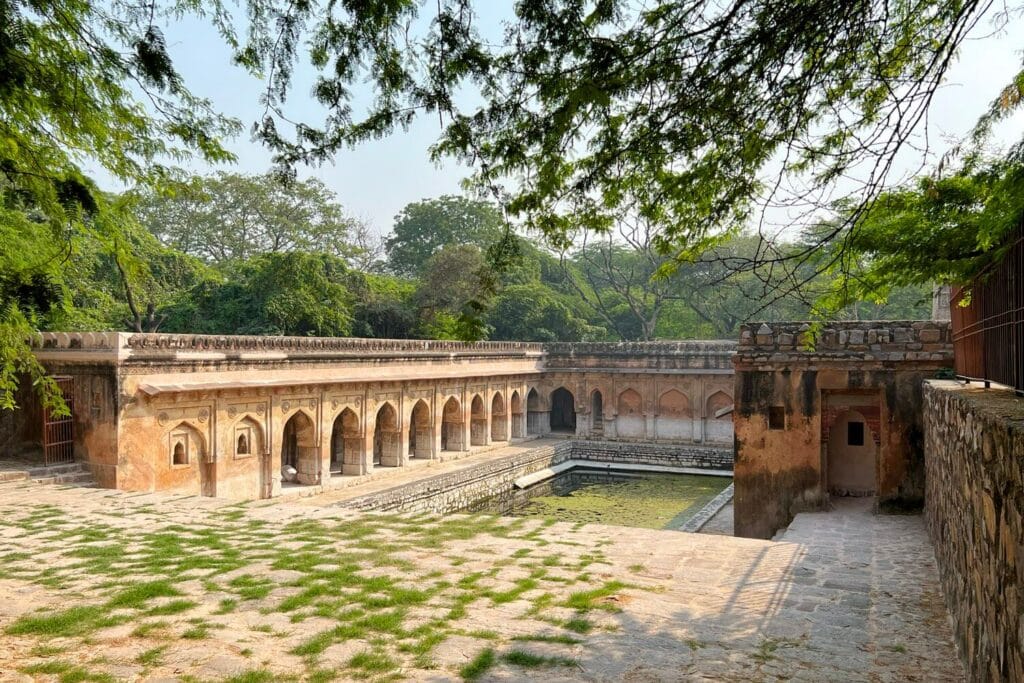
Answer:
[(650, 428)]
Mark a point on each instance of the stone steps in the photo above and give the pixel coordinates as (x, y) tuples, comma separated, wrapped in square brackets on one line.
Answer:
[(74, 473)]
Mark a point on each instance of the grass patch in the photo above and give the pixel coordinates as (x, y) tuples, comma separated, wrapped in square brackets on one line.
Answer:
[(152, 656), (171, 608), (579, 625), (75, 621), (67, 673), (526, 659), (137, 596), (479, 666), (372, 662), (584, 601)]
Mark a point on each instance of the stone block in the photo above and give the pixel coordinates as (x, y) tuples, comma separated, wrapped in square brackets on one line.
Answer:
[(856, 337), (929, 335)]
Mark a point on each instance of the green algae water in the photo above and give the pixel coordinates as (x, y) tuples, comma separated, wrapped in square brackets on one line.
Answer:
[(650, 501)]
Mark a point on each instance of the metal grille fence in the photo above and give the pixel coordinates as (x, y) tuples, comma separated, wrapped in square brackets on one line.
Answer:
[(988, 333), (58, 437)]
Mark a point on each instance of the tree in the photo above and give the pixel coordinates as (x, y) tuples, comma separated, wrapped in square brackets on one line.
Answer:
[(233, 216), (296, 293), (75, 75), (534, 312), (452, 279), (424, 228)]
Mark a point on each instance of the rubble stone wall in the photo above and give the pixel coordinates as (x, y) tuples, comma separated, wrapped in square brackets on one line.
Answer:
[(974, 455)]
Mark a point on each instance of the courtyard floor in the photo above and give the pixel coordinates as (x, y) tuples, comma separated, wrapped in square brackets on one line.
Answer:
[(102, 585)]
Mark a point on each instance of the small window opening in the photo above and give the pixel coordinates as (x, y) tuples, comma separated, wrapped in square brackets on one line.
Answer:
[(776, 417), (243, 445), (180, 455), (855, 433)]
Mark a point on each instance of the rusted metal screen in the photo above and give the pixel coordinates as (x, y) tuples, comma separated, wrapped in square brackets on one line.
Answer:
[(988, 333), (58, 436)]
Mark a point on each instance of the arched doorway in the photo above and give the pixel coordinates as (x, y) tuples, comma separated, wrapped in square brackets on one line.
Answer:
[(386, 446), (852, 452), (563, 411), (596, 413), (629, 422), (536, 416), (477, 422), (346, 446), (499, 419), (299, 451), (518, 416), (421, 433), (451, 425), (247, 440)]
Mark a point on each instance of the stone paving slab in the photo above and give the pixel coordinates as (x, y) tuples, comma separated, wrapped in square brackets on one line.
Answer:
[(845, 595)]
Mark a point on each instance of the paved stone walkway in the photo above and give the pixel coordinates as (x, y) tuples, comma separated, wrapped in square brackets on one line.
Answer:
[(153, 587)]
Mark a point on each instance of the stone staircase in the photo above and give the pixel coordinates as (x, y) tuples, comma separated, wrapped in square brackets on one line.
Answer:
[(71, 474)]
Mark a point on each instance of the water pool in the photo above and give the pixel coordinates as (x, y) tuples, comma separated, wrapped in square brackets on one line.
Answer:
[(647, 500)]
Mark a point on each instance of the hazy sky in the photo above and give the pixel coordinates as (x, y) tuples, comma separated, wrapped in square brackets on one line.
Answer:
[(375, 180)]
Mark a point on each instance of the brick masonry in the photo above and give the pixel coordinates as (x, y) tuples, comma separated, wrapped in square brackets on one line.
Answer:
[(458, 490), (974, 455)]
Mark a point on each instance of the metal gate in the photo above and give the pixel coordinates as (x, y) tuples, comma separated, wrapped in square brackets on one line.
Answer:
[(58, 435)]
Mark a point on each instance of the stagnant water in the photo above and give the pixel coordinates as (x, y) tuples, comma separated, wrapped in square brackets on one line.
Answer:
[(651, 501)]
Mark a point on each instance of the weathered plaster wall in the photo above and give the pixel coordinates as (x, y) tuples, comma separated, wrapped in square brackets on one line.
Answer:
[(156, 395), (974, 455), (875, 369), (455, 491)]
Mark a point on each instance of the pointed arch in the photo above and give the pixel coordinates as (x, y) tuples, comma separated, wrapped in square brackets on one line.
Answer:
[(630, 422), (299, 457), (451, 425), (386, 436), (563, 411), (718, 418), (518, 416), (499, 418), (477, 422), (536, 416), (674, 417), (346, 444), (248, 438), (596, 412), (421, 431)]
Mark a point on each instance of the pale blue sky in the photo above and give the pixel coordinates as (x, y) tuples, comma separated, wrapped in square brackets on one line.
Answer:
[(375, 180)]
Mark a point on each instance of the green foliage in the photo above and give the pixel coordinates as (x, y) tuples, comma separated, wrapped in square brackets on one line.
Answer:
[(424, 228), (230, 216)]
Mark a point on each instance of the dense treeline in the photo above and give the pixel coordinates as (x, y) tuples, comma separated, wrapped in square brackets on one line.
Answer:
[(235, 254)]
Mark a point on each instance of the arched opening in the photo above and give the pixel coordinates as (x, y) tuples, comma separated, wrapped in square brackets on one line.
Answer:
[(499, 419), (629, 422), (451, 425), (675, 417), (346, 444), (518, 416), (299, 458), (421, 433), (187, 447), (718, 425), (477, 422), (596, 413), (386, 446), (536, 416), (180, 456), (248, 438), (563, 411), (852, 451)]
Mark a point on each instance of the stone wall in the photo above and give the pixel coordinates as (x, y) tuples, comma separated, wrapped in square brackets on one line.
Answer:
[(974, 455), (459, 490), (791, 396)]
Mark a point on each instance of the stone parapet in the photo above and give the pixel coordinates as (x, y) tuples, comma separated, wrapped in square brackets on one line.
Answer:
[(974, 506), (863, 340), (639, 357)]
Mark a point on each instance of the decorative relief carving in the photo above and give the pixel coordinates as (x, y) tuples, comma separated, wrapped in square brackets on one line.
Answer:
[(204, 342), (169, 415), (253, 408)]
